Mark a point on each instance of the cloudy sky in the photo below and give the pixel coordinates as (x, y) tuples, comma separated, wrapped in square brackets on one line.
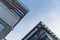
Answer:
[(47, 11)]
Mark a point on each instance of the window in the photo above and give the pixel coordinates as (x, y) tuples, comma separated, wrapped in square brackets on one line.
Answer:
[(35, 37), (45, 37), (1, 27)]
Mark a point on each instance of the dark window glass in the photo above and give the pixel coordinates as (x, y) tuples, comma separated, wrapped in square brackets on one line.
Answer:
[(45, 37)]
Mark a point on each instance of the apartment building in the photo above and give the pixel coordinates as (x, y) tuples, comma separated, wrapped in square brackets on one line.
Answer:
[(11, 12), (40, 32)]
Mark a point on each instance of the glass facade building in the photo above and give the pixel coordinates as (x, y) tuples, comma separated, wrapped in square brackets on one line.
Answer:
[(40, 32), (11, 12)]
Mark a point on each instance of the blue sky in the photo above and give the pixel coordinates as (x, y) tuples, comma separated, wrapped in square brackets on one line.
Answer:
[(47, 11)]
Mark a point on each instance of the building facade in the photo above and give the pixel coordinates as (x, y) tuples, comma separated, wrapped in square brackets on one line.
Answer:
[(11, 12), (40, 32)]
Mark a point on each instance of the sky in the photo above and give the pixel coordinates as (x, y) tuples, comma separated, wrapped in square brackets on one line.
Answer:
[(47, 11)]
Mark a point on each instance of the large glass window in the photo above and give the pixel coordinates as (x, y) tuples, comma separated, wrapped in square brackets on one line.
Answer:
[(1, 27)]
